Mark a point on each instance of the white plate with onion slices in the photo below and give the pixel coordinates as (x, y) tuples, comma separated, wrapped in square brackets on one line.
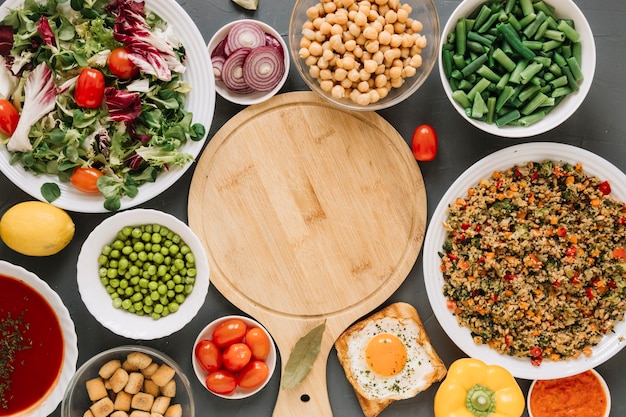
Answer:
[(200, 101), (593, 165), (267, 62)]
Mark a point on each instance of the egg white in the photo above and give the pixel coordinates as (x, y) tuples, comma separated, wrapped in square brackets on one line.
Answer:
[(409, 380)]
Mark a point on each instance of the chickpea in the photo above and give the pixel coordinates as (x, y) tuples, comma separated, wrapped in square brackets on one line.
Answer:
[(330, 7), (312, 12), (370, 66), (314, 71), (304, 53), (316, 49), (380, 80), (374, 96), (384, 38), (350, 45), (326, 85), (370, 33), (338, 92)]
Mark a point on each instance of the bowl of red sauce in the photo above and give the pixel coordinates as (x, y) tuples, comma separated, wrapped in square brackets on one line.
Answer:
[(39, 350), (584, 394)]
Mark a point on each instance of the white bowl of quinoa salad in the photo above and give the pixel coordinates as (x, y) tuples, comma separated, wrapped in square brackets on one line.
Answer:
[(538, 277)]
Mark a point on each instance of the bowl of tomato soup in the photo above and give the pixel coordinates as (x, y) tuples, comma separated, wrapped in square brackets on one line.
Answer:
[(584, 394), (39, 350)]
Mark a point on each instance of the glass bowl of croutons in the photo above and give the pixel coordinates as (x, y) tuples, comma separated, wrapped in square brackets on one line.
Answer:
[(129, 380)]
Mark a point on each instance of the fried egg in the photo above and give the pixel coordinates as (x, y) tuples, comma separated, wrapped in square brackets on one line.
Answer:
[(387, 361)]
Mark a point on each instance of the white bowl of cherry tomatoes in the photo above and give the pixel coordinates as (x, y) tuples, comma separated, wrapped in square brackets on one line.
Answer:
[(234, 357)]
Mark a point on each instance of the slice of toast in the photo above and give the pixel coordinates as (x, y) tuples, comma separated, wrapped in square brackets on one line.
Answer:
[(405, 313)]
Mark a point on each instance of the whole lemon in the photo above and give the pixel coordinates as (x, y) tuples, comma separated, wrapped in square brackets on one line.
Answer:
[(36, 228)]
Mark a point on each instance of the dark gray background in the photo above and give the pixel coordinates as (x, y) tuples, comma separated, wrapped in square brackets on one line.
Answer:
[(599, 126)]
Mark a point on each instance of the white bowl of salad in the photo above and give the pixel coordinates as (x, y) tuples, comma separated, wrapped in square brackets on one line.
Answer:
[(104, 107)]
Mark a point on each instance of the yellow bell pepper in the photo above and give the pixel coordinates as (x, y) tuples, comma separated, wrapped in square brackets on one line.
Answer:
[(474, 389)]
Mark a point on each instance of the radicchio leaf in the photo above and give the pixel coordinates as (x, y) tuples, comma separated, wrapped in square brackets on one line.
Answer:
[(6, 40), (124, 106), (45, 31), (151, 53), (40, 93)]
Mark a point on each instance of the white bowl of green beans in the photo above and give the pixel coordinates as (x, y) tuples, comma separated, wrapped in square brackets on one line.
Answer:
[(143, 274), (517, 68)]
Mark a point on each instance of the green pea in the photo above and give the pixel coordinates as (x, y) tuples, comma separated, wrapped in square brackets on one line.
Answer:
[(117, 244), (103, 259), (102, 272), (138, 246), (126, 304), (136, 233), (158, 308), (117, 302), (173, 307)]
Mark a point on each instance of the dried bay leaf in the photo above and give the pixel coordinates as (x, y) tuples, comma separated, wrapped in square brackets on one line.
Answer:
[(303, 356)]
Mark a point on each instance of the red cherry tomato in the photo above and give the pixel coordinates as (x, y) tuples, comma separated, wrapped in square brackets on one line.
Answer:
[(236, 357), (221, 382), (89, 90), (85, 179), (120, 65), (253, 375), (229, 332), (9, 117), (209, 355), (258, 342), (424, 143)]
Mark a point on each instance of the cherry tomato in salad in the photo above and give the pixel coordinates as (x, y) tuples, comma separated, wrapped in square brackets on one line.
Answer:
[(120, 64), (258, 342), (209, 355), (236, 357), (253, 375), (228, 332), (85, 179), (221, 382), (424, 143), (89, 90), (9, 117)]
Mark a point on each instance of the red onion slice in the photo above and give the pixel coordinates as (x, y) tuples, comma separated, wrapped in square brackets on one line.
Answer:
[(244, 34), (270, 40), (218, 66), (263, 68), (233, 72), (220, 49)]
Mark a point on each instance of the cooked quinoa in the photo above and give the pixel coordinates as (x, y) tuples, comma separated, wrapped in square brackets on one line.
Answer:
[(534, 261)]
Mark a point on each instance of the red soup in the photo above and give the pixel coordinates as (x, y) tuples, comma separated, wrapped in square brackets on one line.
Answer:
[(577, 395), (31, 354)]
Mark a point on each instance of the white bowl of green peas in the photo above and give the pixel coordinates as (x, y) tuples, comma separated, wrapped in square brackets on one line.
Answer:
[(143, 274), (517, 68)]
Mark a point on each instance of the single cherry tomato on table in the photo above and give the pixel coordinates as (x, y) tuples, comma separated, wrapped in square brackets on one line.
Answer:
[(89, 90), (258, 342), (9, 117), (253, 375), (424, 143), (229, 332), (209, 355), (85, 179), (120, 64), (236, 357), (221, 382)]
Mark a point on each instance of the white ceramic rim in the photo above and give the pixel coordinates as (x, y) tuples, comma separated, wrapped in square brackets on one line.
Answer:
[(201, 101), (98, 301), (70, 341), (239, 392), (256, 96), (505, 158), (567, 107), (602, 383)]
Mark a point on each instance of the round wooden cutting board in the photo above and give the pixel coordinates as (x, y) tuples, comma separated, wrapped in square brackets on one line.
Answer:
[(308, 213)]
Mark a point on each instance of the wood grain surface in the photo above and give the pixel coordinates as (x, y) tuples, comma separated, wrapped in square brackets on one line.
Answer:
[(308, 213)]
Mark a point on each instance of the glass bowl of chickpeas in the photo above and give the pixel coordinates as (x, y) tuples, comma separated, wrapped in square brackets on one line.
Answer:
[(143, 274), (364, 55)]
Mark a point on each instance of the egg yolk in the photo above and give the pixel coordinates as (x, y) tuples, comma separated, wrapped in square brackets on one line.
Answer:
[(385, 354)]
